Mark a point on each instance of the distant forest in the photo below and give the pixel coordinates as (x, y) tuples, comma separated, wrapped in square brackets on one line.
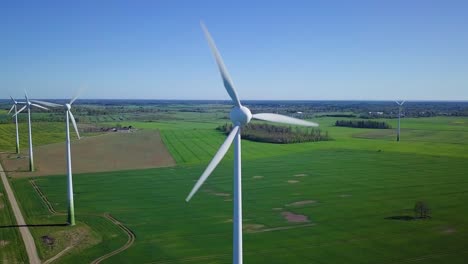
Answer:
[(101, 110), (277, 134), (362, 124)]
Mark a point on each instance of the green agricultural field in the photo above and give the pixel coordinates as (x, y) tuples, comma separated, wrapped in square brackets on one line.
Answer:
[(43, 133), (353, 194)]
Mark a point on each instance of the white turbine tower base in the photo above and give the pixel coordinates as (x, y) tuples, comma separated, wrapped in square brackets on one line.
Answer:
[(29, 105), (68, 116), (240, 115), (400, 105)]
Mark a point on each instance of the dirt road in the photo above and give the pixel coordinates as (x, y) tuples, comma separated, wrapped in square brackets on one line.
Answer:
[(27, 237)]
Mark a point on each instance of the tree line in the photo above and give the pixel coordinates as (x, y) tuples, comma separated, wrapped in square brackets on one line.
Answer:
[(362, 124), (277, 134)]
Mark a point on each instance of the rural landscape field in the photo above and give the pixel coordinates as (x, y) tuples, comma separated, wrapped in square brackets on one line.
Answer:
[(315, 202), (215, 132)]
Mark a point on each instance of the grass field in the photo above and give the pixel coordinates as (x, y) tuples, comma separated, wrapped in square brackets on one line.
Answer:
[(347, 188)]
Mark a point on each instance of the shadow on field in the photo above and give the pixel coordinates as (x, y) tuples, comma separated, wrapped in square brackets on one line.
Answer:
[(33, 225)]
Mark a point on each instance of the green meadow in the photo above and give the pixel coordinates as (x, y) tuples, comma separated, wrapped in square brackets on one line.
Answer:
[(356, 192)]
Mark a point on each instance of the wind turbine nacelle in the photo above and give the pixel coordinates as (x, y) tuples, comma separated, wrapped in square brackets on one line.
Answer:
[(67, 106), (240, 115)]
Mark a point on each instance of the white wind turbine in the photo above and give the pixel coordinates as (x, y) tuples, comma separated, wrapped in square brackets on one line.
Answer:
[(68, 116), (29, 105), (400, 105), (15, 106), (240, 115)]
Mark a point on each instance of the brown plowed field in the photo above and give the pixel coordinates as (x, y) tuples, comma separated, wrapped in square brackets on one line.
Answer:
[(108, 152)]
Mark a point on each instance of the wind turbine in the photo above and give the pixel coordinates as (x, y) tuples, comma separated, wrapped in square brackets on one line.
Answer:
[(15, 106), (29, 105), (240, 115), (68, 116), (400, 105)]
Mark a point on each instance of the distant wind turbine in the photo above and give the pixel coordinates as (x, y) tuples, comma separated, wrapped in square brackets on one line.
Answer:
[(29, 105), (68, 116), (15, 106), (400, 105), (240, 115)]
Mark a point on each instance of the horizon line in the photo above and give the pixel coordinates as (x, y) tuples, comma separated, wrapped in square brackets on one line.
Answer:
[(264, 100)]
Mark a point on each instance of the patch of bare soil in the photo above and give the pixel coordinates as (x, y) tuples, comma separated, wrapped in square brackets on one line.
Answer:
[(293, 181), (222, 194), (300, 175), (281, 228), (215, 193), (108, 152), (250, 228), (73, 238), (4, 243), (301, 203), (449, 231), (295, 218), (257, 177)]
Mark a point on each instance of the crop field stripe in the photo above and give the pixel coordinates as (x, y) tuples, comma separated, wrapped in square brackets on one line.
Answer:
[(189, 154), (198, 147), (169, 137), (170, 147), (175, 146), (210, 142), (192, 145)]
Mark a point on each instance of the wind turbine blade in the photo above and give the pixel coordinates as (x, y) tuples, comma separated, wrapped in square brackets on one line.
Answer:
[(46, 103), (14, 101), (26, 96), (214, 162), (21, 110), (40, 106), (72, 118), (402, 102), (228, 84), (78, 93), (73, 99), (11, 109), (283, 119)]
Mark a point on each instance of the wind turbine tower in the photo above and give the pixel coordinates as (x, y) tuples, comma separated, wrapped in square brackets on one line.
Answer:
[(15, 106), (29, 105), (400, 106), (68, 116), (240, 115)]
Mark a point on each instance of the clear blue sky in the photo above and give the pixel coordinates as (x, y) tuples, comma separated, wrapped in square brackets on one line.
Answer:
[(273, 49)]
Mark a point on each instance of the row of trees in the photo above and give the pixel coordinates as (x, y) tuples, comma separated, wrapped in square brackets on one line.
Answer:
[(362, 124), (277, 134)]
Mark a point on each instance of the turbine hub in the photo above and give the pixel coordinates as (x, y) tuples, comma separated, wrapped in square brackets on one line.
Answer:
[(68, 106), (240, 115)]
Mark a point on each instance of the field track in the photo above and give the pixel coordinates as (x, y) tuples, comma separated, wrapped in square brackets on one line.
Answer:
[(26, 235), (44, 198), (130, 234), (131, 239)]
